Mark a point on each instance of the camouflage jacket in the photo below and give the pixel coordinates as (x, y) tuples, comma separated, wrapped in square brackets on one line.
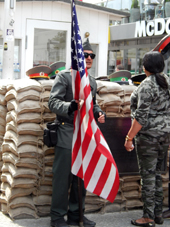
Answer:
[(150, 106)]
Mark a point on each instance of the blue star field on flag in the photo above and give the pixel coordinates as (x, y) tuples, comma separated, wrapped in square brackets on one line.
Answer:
[(76, 45)]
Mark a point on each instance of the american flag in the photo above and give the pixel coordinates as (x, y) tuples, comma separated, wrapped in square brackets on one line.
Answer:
[(92, 160)]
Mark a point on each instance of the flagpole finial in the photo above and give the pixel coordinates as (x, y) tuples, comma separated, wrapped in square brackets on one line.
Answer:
[(87, 34)]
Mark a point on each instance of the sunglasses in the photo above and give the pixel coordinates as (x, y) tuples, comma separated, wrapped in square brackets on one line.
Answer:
[(86, 55)]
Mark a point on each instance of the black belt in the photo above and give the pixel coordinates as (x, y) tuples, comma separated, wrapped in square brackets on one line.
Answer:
[(64, 119)]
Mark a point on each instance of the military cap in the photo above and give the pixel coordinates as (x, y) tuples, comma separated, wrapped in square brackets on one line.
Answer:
[(120, 76), (137, 79), (39, 72), (164, 47), (56, 67), (86, 45), (102, 78)]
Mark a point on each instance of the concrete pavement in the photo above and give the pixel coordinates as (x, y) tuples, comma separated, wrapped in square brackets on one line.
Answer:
[(115, 219)]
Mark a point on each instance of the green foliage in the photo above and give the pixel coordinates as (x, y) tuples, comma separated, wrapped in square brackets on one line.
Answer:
[(135, 4), (167, 0)]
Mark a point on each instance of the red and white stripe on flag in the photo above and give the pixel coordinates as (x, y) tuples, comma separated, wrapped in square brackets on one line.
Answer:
[(92, 160)]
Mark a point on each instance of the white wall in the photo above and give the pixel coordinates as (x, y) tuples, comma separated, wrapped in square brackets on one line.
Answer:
[(91, 20)]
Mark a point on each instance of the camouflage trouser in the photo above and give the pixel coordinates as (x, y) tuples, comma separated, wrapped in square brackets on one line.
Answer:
[(150, 154)]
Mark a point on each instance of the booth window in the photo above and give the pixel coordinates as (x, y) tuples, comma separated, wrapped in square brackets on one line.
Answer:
[(140, 53), (130, 55), (115, 58), (49, 46)]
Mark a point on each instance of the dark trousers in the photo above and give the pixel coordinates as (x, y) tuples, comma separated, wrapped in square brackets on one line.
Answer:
[(63, 202), (151, 153)]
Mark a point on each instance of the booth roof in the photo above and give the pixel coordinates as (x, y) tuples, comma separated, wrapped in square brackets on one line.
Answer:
[(85, 4)]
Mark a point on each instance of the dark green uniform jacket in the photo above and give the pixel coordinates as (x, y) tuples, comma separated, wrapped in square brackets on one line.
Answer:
[(59, 101)]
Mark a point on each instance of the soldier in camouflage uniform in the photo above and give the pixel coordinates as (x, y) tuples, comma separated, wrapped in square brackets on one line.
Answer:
[(150, 111)]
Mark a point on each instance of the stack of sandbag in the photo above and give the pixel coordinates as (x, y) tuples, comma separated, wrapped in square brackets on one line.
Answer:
[(22, 152), (119, 203), (3, 111), (42, 194), (165, 185), (113, 98), (131, 190), (26, 162), (46, 85), (1, 163), (94, 203)]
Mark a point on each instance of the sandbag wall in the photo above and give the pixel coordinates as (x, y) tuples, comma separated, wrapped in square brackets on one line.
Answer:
[(42, 194), (128, 196), (113, 98), (26, 164), (3, 112), (23, 152)]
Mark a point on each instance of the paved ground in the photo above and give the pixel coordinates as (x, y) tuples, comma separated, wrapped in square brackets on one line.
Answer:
[(116, 219)]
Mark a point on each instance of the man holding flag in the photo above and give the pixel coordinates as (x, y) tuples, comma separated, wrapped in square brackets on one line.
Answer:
[(62, 103), (73, 116)]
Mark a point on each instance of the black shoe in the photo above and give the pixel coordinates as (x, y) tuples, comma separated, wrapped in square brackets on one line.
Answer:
[(86, 222), (166, 214), (148, 224), (159, 220), (59, 223)]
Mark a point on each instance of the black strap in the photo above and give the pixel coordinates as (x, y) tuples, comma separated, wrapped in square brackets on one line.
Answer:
[(64, 119)]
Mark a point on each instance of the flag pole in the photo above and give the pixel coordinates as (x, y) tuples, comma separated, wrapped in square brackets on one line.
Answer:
[(80, 202), (79, 179)]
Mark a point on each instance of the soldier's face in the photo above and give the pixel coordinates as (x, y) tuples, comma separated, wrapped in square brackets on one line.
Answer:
[(89, 60)]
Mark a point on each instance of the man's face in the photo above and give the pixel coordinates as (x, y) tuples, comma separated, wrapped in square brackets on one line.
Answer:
[(89, 60)]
